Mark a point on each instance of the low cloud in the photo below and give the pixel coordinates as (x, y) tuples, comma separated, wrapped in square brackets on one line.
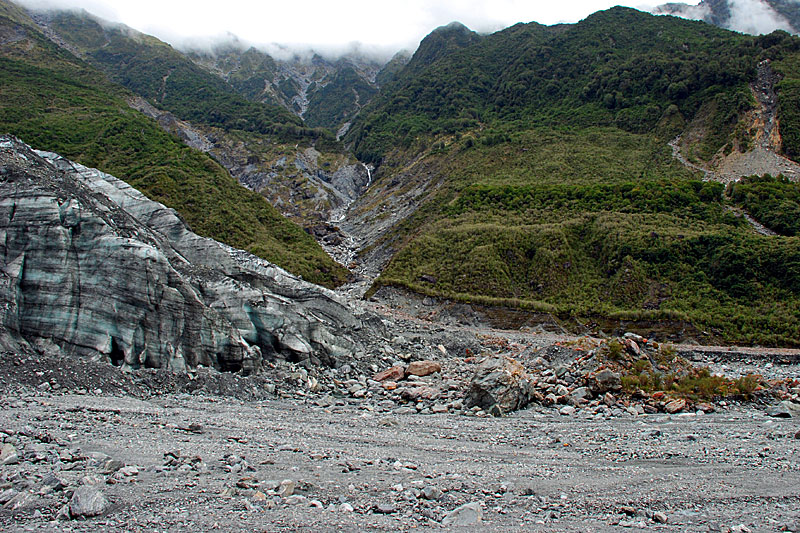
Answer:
[(329, 27), (756, 17), (747, 16), (698, 12), (283, 52)]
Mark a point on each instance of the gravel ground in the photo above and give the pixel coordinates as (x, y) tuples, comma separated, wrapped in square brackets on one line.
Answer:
[(84, 447), (357, 470)]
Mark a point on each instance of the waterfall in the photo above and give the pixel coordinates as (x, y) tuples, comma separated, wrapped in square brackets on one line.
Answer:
[(369, 174)]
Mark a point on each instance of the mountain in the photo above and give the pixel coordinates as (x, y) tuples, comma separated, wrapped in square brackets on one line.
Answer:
[(748, 16), (302, 171), (576, 171), (534, 168), (166, 77), (58, 102), (323, 92)]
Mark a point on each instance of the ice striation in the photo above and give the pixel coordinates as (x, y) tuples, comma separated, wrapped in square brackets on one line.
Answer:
[(91, 267)]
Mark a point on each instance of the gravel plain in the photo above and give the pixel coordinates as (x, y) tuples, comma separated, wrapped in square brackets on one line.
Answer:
[(177, 461)]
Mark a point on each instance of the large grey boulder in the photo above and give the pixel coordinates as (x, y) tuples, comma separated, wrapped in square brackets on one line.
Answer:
[(604, 381), (87, 501), (90, 265), (500, 385), (785, 409)]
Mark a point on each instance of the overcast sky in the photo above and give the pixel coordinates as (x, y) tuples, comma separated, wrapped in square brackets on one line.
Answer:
[(389, 24)]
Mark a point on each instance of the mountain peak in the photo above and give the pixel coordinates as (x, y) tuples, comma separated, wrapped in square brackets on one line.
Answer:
[(454, 26), (442, 41)]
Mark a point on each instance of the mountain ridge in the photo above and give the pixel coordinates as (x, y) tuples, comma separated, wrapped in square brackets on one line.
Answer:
[(556, 191), (552, 169)]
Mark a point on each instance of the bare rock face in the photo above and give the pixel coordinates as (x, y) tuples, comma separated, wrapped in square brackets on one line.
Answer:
[(91, 267)]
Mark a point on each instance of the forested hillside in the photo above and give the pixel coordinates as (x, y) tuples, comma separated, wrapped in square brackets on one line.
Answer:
[(54, 101), (170, 80), (540, 161)]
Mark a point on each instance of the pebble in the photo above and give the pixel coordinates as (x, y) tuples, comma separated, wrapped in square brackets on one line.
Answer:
[(386, 508), (467, 515)]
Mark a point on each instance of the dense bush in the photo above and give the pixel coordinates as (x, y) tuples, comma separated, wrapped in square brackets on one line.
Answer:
[(775, 202), (620, 67)]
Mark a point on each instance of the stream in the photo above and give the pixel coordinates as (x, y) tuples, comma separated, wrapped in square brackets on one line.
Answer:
[(345, 251)]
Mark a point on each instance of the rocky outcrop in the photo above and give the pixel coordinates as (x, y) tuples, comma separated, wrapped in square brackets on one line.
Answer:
[(91, 267), (307, 186)]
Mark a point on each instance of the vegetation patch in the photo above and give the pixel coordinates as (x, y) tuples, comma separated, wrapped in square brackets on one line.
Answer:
[(773, 201)]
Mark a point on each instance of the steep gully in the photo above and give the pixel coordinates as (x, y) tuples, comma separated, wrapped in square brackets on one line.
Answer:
[(345, 250), (763, 158), (337, 236)]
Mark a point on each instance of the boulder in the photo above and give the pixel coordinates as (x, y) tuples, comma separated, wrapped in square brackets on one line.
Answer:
[(604, 381), (581, 393), (8, 454), (785, 409), (423, 368), (87, 501), (420, 393), (468, 514), (675, 406), (500, 384), (396, 373), (98, 270), (632, 347)]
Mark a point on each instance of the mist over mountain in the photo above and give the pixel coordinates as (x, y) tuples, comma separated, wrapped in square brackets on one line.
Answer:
[(325, 89), (747, 16)]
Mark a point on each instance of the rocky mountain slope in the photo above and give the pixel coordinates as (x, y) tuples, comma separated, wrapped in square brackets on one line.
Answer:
[(552, 169), (95, 269), (749, 16), (305, 184), (319, 176), (166, 77), (323, 92)]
